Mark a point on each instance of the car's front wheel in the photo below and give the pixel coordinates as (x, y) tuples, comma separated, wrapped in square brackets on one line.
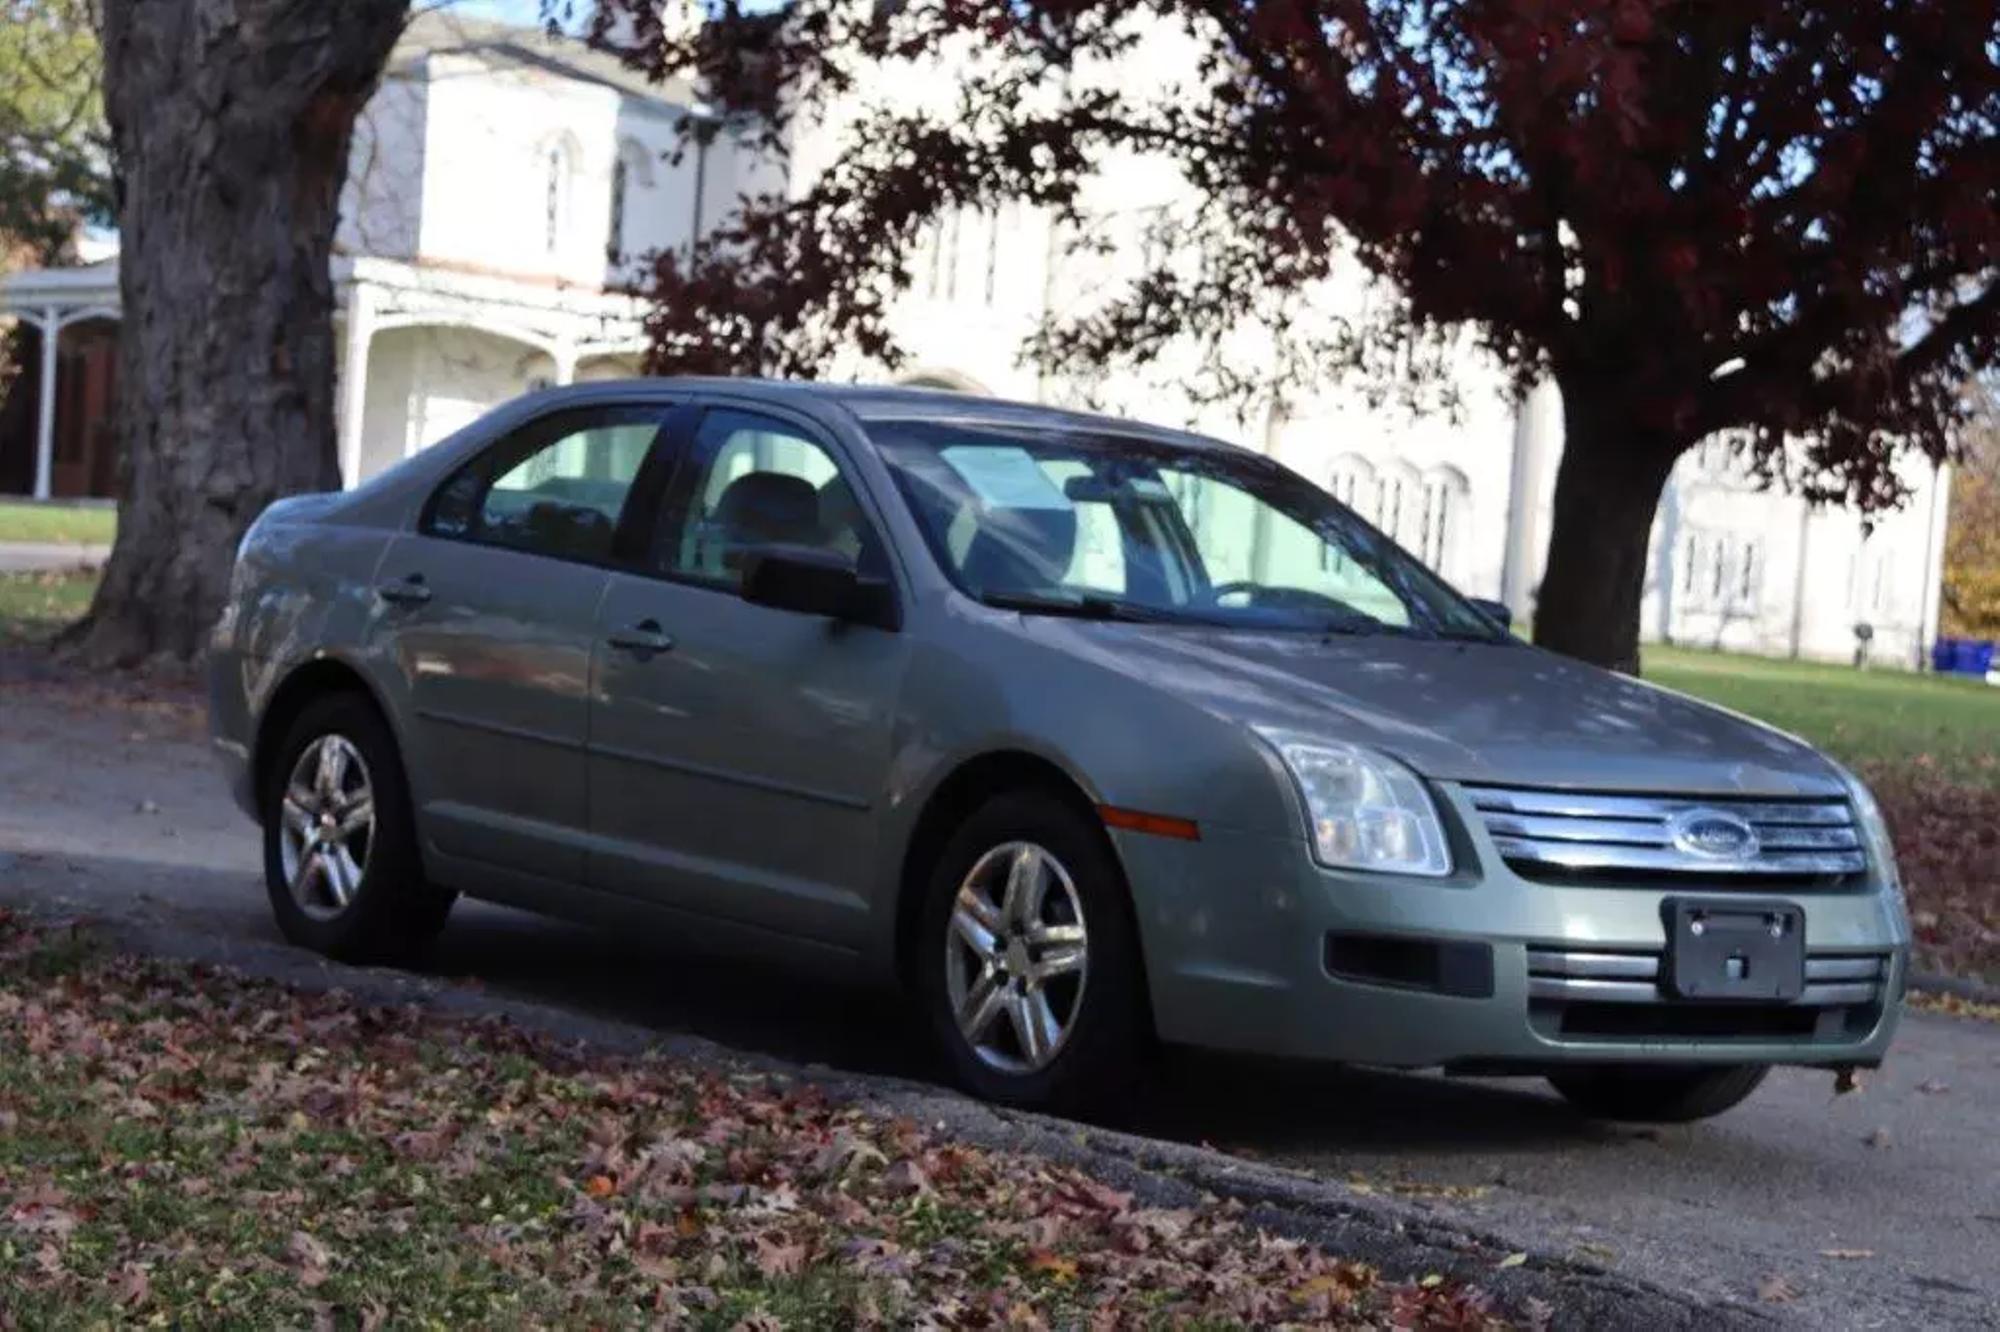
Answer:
[(340, 846), (1029, 965), (1656, 1094)]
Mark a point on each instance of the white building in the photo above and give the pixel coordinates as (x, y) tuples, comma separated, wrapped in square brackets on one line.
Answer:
[(503, 184)]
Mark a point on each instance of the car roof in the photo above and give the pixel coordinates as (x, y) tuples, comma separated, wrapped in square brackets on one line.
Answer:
[(896, 402)]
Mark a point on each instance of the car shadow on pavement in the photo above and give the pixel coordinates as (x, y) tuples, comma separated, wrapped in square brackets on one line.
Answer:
[(1265, 1107)]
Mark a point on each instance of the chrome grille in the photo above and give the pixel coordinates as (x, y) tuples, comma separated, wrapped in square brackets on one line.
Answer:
[(1567, 833), (1634, 978)]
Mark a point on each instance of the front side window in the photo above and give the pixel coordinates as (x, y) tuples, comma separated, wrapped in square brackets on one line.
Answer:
[(752, 481), (556, 487), (1069, 522)]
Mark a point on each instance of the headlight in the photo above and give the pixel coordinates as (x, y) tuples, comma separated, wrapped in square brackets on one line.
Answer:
[(1874, 832), (1364, 810)]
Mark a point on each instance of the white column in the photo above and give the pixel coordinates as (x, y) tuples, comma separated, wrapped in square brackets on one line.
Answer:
[(354, 378), (565, 358), (1930, 617), (45, 424), (1537, 425), (1666, 573)]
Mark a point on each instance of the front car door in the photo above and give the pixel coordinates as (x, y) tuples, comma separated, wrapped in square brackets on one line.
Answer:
[(739, 753), (490, 616)]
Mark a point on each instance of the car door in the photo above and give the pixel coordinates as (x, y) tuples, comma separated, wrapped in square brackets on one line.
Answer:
[(739, 753), (490, 616)]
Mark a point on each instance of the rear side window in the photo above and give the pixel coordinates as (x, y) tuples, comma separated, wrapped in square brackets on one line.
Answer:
[(555, 487)]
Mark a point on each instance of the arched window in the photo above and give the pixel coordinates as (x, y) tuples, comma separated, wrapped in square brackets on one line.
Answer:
[(614, 241), (558, 163), (631, 170), (1352, 482), (1444, 498), (1398, 501)]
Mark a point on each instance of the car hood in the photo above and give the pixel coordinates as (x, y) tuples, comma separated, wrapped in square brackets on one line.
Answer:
[(1502, 713)]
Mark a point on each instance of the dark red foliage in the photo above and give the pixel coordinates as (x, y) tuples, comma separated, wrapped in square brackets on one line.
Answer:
[(1770, 217), (1638, 192)]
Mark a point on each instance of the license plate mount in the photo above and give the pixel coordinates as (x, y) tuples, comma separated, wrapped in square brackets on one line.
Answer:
[(1729, 949)]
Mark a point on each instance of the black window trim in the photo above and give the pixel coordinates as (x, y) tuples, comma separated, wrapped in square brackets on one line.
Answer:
[(685, 431), (661, 456)]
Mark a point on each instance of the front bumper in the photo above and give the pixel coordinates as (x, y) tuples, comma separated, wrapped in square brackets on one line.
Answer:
[(1236, 928)]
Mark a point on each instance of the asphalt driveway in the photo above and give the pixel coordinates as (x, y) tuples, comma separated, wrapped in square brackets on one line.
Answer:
[(1880, 1208)]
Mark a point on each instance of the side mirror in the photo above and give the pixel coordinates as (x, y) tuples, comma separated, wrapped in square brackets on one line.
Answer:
[(816, 582), (1497, 611)]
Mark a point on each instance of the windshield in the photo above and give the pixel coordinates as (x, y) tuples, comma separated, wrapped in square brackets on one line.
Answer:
[(1064, 522)]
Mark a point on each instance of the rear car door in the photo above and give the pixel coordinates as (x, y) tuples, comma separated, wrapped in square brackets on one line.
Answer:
[(489, 614), (740, 753)]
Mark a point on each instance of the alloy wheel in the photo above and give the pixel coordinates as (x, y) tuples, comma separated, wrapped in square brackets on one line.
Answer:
[(328, 826), (1016, 957)]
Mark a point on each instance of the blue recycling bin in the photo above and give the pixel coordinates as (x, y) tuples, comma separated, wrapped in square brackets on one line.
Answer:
[(1944, 655)]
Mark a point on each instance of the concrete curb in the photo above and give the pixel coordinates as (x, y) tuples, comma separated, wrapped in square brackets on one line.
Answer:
[(1402, 1238), (1930, 982), (50, 557)]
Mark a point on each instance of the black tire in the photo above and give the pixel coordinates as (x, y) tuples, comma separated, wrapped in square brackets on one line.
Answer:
[(1108, 1039), (393, 913), (1653, 1094)]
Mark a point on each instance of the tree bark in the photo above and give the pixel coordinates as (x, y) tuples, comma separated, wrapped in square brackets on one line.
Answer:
[(231, 121), (1608, 485)]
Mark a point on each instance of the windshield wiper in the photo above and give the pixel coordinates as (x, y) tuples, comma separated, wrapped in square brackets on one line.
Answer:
[(1356, 622), (1082, 608)]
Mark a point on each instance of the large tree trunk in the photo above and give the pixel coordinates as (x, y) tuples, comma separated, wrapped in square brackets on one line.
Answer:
[(1608, 485), (231, 121)]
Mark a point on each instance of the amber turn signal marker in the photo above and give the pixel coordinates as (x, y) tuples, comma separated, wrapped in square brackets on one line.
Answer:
[(1160, 825)]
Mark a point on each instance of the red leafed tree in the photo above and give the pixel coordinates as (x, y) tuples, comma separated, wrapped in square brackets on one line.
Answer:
[(1774, 218)]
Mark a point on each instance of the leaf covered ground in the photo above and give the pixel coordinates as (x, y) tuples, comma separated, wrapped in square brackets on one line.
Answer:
[(1947, 837), (179, 1146)]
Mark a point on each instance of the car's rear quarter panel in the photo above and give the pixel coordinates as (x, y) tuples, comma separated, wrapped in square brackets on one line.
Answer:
[(303, 589)]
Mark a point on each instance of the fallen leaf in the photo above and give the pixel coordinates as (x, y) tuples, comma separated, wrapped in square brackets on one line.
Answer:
[(1877, 1138), (1776, 1290), (905, 1179), (775, 1259), (311, 1257), (599, 1186), (134, 1286), (1051, 1265), (1932, 1087), (1846, 1080), (1512, 1260)]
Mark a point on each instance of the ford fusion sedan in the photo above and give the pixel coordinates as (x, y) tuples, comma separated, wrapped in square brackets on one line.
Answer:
[(1089, 735)]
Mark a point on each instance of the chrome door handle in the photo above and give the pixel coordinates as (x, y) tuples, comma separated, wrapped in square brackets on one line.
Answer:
[(410, 592), (643, 639)]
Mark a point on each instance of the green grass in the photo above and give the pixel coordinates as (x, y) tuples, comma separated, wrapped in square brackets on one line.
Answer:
[(1866, 718), (58, 524), (35, 606)]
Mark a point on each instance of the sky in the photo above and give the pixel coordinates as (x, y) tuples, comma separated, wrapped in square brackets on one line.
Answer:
[(507, 11)]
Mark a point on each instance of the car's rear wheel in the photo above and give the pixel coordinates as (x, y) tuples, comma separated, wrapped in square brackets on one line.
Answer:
[(1658, 1095), (340, 846), (1028, 962)]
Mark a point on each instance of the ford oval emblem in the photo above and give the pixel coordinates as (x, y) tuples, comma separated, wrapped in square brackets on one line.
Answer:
[(1712, 834)]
